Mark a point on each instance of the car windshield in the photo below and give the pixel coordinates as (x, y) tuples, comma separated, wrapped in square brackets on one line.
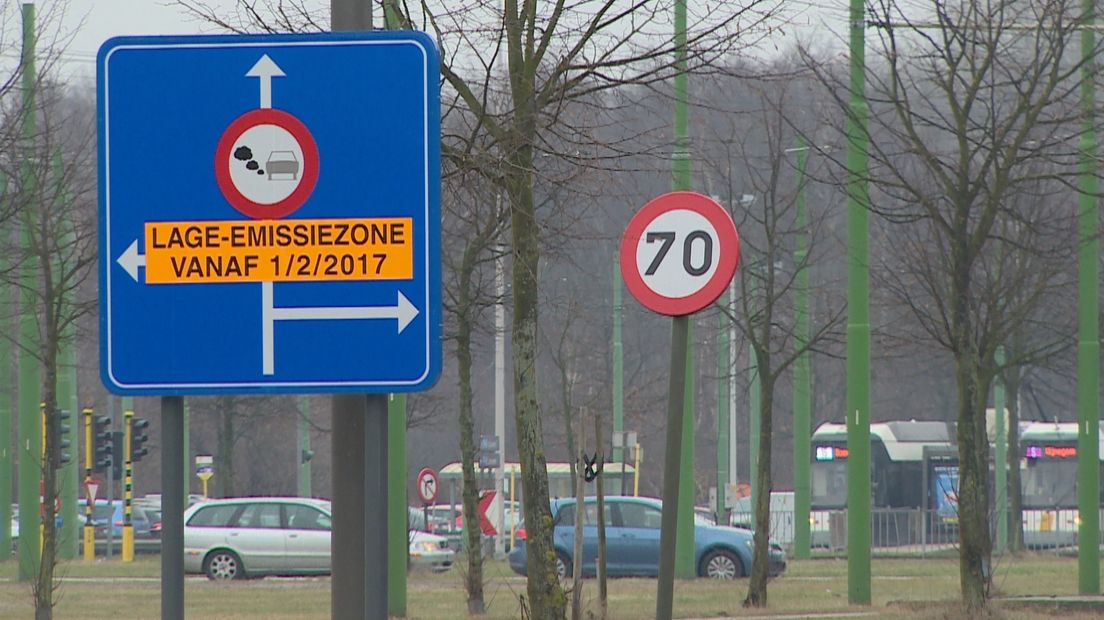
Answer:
[(102, 512)]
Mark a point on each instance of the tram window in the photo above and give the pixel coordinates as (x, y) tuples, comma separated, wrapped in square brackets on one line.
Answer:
[(829, 484), (1050, 483)]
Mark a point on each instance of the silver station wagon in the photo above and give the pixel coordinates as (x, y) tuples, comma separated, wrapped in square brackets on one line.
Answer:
[(255, 536)]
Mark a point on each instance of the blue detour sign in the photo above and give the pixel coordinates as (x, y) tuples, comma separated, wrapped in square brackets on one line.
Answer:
[(269, 213)]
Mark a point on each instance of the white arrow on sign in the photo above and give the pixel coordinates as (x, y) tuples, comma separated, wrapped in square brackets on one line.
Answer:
[(131, 260), (265, 69), (403, 312)]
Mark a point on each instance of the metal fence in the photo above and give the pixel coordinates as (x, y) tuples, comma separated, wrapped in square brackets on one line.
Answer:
[(917, 532)]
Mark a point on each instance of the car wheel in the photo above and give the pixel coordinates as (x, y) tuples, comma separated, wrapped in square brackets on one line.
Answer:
[(223, 565), (722, 564), (563, 566)]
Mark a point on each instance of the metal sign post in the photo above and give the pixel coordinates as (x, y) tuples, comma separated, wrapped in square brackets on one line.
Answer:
[(172, 508), (205, 470), (678, 254)]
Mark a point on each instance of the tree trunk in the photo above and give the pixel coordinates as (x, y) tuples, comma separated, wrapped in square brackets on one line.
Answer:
[(226, 446), (1015, 491), (569, 428), (600, 491), (473, 534), (546, 596), (44, 580), (50, 462), (975, 545), (580, 517), (760, 564)]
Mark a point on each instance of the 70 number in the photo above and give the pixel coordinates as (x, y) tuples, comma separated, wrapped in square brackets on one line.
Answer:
[(667, 239)]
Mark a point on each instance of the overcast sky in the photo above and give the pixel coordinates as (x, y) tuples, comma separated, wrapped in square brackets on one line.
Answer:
[(91, 22)]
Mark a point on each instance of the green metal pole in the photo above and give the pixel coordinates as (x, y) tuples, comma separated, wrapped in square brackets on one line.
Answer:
[(66, 384), (6, 392), (618, 365), (802, 373), (684, 548), (30, 372), (303, 484), (858, 321), (668, 534), (724, 348), (1088, 339), (1000, 458), (397, 517)]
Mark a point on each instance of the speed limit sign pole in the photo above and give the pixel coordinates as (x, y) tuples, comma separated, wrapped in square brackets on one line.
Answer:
[(678, 255)]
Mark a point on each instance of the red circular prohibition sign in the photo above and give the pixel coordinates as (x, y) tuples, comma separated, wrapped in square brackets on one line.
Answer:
[(427, 492), (728, 253), (267, 116)]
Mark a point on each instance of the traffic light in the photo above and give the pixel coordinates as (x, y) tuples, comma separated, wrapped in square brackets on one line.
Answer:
[(62, 428), (103, 440), (138, 437), (117, 438)]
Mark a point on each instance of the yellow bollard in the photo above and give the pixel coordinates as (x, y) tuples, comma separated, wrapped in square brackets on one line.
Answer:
[(128, 543), (89, 543)]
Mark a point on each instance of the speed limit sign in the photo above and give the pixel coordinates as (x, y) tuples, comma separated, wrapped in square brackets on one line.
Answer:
[(679, 253)]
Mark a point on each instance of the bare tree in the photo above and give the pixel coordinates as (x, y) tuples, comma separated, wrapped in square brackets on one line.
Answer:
[(966, 108), (476, 219), (234, 419), (551, 54), (762, 143), (50, 197)]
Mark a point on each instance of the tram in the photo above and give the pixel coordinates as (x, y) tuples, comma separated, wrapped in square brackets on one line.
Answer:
[(1049, 483), (914, 484)]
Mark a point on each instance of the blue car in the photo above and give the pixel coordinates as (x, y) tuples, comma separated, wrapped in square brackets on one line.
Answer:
[(632, 542), (106, 515)]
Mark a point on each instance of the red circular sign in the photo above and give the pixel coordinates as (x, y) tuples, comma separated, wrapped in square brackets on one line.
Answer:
[(287, 175), (427, 485), (42, 500), (679, 253)]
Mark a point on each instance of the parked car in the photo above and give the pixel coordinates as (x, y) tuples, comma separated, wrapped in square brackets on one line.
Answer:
[(230, 538), (430, 551), (257, 536), (105, 515), (632, 541), (442, 517), (154, 516)]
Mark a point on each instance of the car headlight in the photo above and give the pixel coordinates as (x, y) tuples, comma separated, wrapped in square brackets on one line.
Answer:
[(424, 547), (750, 544)]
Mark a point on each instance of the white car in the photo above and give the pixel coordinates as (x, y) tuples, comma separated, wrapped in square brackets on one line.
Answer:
[(430, 551), (257, 536)]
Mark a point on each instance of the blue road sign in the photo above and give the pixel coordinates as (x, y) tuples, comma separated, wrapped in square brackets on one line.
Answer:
[(269, 213)]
